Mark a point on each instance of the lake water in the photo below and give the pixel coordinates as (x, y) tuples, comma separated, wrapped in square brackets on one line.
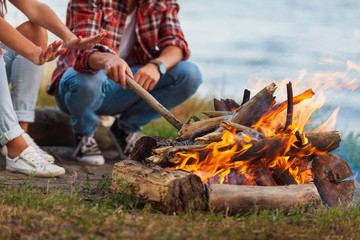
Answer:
[(236, 43)]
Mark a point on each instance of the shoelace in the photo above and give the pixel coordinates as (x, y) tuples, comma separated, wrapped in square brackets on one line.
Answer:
[(88, 145), (130, 142), (36, 160), (30, 141)]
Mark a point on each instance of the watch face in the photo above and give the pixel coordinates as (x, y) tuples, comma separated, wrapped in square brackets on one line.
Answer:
[(162, 69)]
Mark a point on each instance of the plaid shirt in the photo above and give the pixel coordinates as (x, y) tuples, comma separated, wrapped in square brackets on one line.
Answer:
[(157, 26)]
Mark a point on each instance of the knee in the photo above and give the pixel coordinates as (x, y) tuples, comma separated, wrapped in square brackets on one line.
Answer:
[(88, 87), (190, 74), (35, 33)]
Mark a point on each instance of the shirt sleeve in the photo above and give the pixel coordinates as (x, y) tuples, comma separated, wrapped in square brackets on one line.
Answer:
[(170, 30), (87, 19)]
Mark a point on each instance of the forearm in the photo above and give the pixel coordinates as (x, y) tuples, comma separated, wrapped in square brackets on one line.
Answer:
[(97, 60), (17, 42), (39, 13), (170, 56)]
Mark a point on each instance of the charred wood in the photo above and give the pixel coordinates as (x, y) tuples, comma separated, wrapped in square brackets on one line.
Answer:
[(144, 146), (330, 171), (246, 96), (225, 105)]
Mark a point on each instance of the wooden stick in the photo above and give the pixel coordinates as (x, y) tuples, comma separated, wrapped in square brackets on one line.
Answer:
[(145, 95), (246, 96), (278, 108), (212, 114), (193, 129), (240, 128), (290, 106)]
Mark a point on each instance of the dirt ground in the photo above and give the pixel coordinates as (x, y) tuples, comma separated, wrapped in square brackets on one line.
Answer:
[(76, 172)]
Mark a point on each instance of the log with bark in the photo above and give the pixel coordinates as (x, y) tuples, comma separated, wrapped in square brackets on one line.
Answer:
[(166, 190), (330, 172), (250, 112), (241, 198)]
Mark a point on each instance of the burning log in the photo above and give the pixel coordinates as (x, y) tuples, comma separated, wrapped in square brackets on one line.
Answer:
[(211, 137), (318, 143), (242, 198), (166, 190), (278, 108), (145, 145), (241, 128), (212, 114), (217, 136), (290, 107), (193, 129), (284, 178), (249, 113), (225, 105), (330, 172), (263, 177)]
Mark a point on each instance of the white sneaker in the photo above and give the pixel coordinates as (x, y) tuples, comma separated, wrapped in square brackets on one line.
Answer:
[(30, 162), (32, 143)]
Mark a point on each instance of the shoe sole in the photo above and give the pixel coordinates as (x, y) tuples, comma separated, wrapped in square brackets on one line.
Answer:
[(118, 147), (89, 162), (36, 174)]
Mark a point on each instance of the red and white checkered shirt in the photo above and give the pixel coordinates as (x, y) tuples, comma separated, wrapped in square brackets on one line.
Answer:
[(157, 26)]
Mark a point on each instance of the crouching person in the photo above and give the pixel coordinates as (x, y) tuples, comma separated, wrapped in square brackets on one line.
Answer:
[(144, 40)]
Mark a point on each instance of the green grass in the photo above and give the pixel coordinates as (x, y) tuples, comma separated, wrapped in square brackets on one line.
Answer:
[(28, 212), (96, 212)]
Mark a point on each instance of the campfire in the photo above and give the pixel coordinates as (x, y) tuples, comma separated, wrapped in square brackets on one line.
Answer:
[(241, 152)]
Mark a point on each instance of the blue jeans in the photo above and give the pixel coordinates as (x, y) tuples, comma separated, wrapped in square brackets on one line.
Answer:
[(85, 96), (25, 78), (9, 124)]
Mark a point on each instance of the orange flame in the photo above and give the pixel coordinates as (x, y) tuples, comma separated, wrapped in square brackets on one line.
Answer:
[(218, 165)]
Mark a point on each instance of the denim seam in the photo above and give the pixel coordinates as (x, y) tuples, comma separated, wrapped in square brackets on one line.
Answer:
[(104, 108), (16, 107)]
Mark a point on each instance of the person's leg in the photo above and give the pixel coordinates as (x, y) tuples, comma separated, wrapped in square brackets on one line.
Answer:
[(20, 157), (10, 130), (24, 76), (81, 95)]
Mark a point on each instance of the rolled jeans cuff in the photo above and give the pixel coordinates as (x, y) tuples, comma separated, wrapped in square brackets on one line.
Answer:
[(11, 134), (25, 116)]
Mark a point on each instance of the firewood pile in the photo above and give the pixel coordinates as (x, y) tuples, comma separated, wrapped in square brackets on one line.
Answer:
[(238, 157)]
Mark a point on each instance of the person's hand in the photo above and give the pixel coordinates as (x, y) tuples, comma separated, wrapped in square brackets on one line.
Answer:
[(85, 43), (116, 68), (147, 76), (47, 55)]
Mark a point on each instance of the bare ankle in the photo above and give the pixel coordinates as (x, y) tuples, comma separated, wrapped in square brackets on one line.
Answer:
[(16, 146)]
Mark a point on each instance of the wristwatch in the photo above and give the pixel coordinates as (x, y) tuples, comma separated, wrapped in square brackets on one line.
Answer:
[(160, 65)]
